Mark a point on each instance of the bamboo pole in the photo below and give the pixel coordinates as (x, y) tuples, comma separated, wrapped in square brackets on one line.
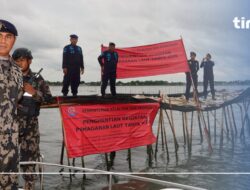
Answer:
[(183, 127), (225, 117), (73, 164), (233, 118), (171, 124), (215, 118), (208, 124), (221, 134), (199, 123), (230, 124), (150, 153), (70, 175), (165, 137), (158, 133), (107, 162), (63, 145), (206, 132), (83, 165), (129, 159), (187, 132), (191, 133), (162, 136), (62, 155), (242, 134), (246, 117)]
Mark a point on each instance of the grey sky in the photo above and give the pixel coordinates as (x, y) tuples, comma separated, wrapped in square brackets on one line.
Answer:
[(206, 26)]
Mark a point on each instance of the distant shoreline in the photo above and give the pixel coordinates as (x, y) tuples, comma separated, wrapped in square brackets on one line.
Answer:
[(157, 83)]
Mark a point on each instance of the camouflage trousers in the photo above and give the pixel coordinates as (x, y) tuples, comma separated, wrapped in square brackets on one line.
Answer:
[(9, 161), (29, 139)]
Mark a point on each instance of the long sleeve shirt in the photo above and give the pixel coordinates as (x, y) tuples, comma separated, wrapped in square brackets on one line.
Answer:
[(109, 61), (73, 58), (11, 84), (194, 66), (208, 68)]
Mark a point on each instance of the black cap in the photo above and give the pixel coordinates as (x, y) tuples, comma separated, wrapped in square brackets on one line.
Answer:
[(74, 36), (192, 53), (209, 55), (22, 52), (111, 44), (6, 26)]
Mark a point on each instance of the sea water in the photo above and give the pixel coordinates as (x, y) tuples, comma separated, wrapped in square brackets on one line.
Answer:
[(203, 168)]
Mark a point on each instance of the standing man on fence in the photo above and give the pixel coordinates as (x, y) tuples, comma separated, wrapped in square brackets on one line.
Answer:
[(11, 83), (108, 61), (208, 76), (194, 67), (72, 65)]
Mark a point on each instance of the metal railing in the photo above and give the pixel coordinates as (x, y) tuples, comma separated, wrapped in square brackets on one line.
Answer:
[(111, 174)]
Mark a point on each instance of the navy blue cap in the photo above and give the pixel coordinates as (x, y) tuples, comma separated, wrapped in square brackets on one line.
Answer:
[(73, 36), (6, 26), (111, 44), (192, 53), (22, 52)]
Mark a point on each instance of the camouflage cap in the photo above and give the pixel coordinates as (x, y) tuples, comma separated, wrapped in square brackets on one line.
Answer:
[(6, 26)]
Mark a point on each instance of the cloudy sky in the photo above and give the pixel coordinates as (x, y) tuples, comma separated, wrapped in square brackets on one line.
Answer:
[(205, 26)]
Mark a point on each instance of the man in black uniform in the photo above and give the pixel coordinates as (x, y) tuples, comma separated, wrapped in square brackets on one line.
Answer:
[(108, 61), (208, 65), (194, 67), (72, 66)]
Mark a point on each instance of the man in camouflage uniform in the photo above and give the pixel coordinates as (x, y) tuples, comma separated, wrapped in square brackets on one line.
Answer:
[(36, 92), (10, 89)]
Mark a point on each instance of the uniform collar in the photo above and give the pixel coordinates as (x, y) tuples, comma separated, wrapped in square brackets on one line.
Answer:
[(5, 58)]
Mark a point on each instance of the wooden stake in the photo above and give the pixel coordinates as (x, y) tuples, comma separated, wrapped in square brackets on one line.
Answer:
[(208, 124), (158, 133), (165, 137), (183, 127), (234, 123), (129, 159), (107, 161), (187, 132), (225, 116), (215, 117), (171, 124), (199, 123), (83, 165), (191, 134)]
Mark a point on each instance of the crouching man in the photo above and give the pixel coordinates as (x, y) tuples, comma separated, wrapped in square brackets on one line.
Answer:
[(36, 91)]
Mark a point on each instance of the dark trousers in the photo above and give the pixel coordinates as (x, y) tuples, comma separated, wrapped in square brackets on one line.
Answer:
[(189, 83), (210, 80), (73, 80), (111, 77)]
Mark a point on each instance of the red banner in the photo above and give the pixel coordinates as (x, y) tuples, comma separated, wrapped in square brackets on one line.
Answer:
[(156, 59), (100, 128)]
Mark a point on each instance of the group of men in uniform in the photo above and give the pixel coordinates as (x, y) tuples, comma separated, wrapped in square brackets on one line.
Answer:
[(21, 94), (192, 76), (73, 67)]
